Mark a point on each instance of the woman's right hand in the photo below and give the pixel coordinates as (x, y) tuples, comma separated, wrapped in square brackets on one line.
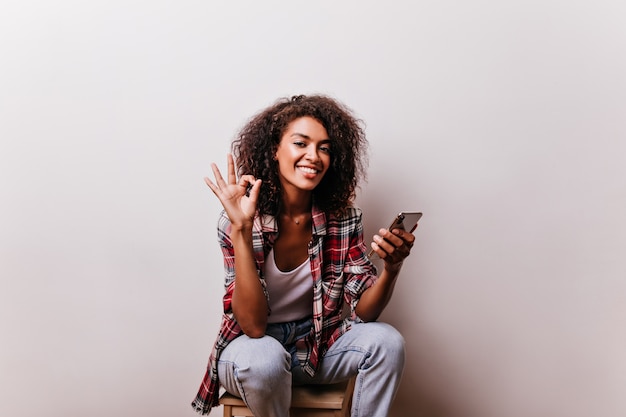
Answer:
[(238, 197)]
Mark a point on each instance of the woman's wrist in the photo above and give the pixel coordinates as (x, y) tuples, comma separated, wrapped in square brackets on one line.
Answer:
[(393, 268), (241, 233)]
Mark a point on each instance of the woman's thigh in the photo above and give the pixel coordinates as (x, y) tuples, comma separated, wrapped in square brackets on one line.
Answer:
[(355, 350)]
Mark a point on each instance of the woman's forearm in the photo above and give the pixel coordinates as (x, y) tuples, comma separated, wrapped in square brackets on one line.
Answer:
[(249, 302), (374, 300)]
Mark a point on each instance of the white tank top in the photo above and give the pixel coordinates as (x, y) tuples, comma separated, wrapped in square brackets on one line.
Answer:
[(290, 293)]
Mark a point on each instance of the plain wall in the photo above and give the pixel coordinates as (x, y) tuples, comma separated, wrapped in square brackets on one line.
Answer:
[(503, 121)]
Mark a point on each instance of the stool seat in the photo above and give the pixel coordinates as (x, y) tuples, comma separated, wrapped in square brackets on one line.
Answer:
[(332, 400)]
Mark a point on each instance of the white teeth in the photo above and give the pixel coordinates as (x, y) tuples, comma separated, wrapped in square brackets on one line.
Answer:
[(308, 170)]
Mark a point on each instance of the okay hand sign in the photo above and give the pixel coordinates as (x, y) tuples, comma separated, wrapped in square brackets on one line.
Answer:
[(238, 197)]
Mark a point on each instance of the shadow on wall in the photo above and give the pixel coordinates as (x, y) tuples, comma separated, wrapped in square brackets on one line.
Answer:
[(427, 387)]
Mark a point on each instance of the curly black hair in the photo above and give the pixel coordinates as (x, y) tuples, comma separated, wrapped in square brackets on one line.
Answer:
[(256, 144)]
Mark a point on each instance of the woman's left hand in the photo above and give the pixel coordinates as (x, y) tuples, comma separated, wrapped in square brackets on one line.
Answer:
[(393, 246)]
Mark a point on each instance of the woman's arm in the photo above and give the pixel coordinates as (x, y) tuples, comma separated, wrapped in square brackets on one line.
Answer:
[(249, 303), (239, 199), (374, 300), (393, 247)]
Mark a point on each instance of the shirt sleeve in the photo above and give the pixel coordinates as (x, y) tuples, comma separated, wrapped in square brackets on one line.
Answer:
[(359, 272), (228, 254)]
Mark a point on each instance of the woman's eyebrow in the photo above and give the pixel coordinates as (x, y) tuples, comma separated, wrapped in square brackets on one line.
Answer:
[(302, 135), (307, 137)]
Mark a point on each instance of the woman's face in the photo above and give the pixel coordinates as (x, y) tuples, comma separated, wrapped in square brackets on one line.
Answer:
[(303, 154)]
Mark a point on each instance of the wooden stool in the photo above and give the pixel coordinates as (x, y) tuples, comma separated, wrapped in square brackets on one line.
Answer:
[(306, 401)]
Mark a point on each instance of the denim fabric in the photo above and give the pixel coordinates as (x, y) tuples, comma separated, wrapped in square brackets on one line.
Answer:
[(262, 371), (288, 333)]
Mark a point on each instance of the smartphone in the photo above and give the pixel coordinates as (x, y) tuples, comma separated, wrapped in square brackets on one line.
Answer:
[(405, 220)]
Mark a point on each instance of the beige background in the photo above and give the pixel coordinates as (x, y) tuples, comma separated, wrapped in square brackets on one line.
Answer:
[(502, 120)]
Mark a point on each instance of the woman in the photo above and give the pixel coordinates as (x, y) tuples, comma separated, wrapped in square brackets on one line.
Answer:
[(295, 260)]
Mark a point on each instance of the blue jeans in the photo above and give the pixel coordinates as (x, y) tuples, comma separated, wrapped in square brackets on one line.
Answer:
[(261, 371)]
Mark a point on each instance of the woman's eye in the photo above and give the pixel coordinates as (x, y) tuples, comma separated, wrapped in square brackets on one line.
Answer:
[(325, 149), (299, 144)]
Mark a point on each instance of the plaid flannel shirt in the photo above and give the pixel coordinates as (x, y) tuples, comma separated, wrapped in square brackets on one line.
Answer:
[(341, 272)]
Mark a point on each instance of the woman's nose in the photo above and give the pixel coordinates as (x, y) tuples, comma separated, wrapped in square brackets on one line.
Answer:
[(312, 154)]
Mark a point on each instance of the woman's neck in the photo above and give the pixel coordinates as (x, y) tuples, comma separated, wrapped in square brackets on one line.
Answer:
[(297, 207)]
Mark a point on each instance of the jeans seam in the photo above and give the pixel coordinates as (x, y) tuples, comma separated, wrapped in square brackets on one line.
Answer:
[(356, 396), (348, 349), (239, 384)]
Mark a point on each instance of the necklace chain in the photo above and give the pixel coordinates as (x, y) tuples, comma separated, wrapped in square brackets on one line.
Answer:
[(296, 220)]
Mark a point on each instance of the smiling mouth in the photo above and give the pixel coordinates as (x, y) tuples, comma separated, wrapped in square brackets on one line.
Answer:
[(308, 170)]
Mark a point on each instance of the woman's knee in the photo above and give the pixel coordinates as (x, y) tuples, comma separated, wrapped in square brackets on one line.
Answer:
[(260, 358), (394, 338), (385, 339), (269, 357)]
